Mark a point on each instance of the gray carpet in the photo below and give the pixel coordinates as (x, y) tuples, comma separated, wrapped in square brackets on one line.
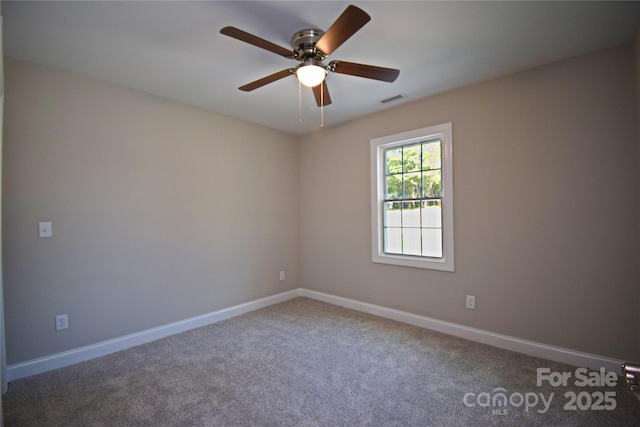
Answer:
[(307, 363)]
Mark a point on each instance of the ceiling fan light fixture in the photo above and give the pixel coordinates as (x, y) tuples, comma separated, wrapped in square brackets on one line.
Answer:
[(311, 75), (310, 47)]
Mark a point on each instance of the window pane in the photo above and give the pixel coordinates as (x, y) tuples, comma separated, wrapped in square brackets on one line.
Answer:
[(431, 213), (432, 183), (392, 214), (394, 187), (431, 155), (393, 160), (432, 242), (411, 214), (411, 241), (393, 240), (411, 185), (411, 158)]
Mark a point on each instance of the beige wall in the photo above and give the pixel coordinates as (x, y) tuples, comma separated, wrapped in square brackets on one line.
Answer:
[(160, 211), (546, 207)]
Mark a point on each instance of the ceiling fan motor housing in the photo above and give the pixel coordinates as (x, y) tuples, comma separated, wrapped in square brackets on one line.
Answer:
[(304, 44)]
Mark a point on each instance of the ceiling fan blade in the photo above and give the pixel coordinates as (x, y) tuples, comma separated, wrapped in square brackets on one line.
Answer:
[(322, 89), (347, 24), (256, 41), (362, 70), (266, 80)]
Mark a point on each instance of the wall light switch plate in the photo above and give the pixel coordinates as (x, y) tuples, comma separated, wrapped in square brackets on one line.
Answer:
[(44, 229)]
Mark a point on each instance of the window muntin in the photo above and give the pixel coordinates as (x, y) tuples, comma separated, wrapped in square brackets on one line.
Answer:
[(412, 198)]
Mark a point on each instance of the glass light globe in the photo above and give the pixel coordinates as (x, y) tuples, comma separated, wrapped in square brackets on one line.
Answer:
[(311, 75)]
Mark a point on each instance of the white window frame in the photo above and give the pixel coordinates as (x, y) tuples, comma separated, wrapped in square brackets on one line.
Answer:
[(378, 190)]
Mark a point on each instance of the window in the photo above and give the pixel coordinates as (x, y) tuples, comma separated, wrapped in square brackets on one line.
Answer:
[(412, 198)]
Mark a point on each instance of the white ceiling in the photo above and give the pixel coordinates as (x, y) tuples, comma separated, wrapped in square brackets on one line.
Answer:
[(174, 49)]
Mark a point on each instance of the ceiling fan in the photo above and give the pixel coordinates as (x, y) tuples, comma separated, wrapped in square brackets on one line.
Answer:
[(311, 47)]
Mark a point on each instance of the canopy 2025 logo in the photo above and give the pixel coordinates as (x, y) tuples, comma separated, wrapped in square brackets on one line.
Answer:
[(595, 400)]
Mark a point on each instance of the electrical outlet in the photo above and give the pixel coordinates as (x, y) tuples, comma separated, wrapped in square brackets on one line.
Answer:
[(62, 322), (471, 301), (282, 275)]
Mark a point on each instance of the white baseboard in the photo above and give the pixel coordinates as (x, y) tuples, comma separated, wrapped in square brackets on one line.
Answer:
[(82, 354), (531, 348), (71, 357)]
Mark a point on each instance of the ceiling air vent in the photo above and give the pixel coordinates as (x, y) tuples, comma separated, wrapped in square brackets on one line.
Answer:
[(393, 98)]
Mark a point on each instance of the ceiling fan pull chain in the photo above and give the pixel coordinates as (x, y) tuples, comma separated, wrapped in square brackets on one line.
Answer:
[(299, 101), (322, 104)]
